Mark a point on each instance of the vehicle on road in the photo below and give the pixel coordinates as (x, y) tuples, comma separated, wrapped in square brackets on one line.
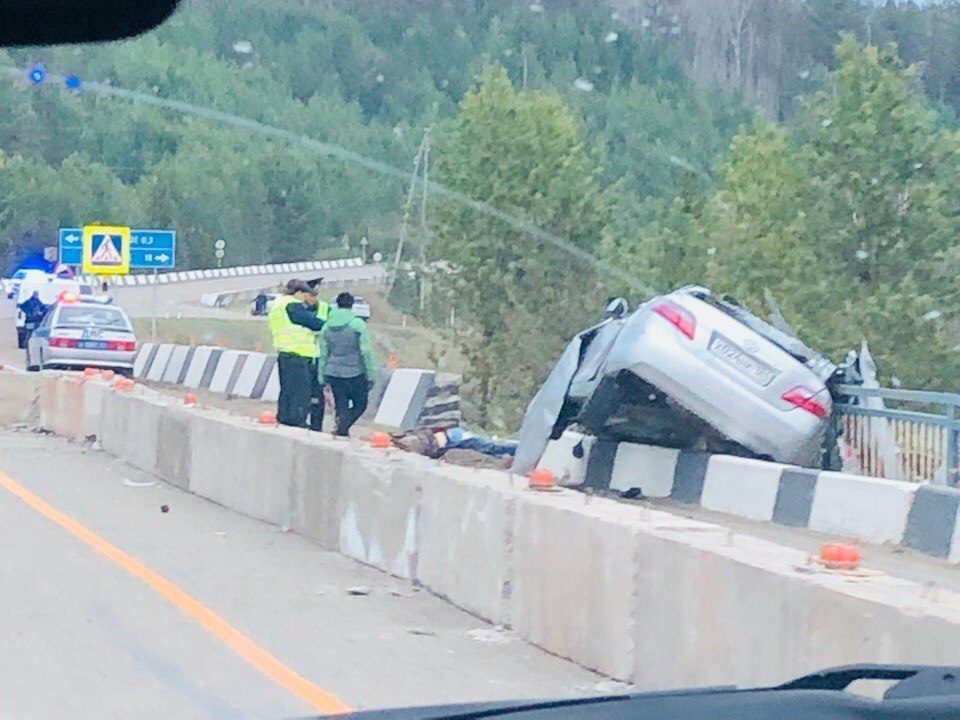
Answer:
[(692, 370), (48, 288), (23, 276), (76, 335), (915, 691)]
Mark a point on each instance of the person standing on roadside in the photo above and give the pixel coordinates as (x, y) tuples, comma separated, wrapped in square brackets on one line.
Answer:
[(294, 327), (321, 308), (345, 360)]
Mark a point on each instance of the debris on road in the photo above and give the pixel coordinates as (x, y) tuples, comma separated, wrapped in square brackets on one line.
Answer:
[(497, 635), (132, 483), (358, 590), (164, 508), (421, 631)]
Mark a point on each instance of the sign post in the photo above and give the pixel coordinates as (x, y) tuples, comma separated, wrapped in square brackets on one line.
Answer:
[(219, 251), (149, 249)]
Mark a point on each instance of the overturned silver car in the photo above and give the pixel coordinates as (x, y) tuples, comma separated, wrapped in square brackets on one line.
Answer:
[(688, 370)]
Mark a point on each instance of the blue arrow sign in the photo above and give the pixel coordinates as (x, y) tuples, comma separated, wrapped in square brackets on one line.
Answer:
[(148, 248), (71, 246)]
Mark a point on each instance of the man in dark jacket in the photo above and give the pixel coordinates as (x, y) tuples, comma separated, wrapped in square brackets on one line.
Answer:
[(346, 362), (34, 310)]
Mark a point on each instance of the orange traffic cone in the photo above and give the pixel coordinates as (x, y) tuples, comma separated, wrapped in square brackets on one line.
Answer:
[(542, 480), (839, 556), (380, 440)]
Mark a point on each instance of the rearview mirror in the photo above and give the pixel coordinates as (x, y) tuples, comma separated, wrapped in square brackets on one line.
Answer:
[(55, 22)]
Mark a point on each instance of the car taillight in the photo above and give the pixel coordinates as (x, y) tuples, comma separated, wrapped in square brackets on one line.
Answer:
[(678, 316), (802, 398), (121, 345), (62, 342)]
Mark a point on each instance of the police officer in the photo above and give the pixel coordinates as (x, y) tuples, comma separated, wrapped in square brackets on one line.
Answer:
[(293, 324), (322, 310)]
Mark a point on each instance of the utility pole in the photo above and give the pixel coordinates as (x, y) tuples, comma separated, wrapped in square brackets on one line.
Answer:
[(417, 161), (423, 221)]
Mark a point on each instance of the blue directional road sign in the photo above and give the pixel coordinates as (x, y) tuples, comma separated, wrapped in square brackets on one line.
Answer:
[(71, 246), (148, 248), (153, 249)]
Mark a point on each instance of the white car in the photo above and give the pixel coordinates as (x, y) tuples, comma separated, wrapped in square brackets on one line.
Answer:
[(49, 289), (693, 370), (76, 335), (21, 276)]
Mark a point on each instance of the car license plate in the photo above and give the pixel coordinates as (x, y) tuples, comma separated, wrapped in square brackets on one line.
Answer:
[(92, 345), (739, 359)]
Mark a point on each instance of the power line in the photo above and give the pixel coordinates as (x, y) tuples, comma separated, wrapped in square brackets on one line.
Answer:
[(348, 156)]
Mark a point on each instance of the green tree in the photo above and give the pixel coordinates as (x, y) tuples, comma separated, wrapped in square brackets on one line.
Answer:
[(520, 298)]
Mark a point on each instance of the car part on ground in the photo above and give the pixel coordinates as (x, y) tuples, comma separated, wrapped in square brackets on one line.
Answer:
[(687, 370), (77, 335)]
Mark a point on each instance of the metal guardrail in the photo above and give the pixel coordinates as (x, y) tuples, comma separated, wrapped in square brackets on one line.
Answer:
[(915, 438)]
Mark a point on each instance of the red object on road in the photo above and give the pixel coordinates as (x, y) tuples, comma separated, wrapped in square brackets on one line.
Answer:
[(189, 399), (267, 417), (542, 479), (839, 556), (380, 440)]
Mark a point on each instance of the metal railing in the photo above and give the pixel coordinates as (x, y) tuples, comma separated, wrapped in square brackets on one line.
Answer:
[(913, 438)]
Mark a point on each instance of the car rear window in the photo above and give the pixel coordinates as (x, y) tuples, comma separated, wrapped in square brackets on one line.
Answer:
[(786, 342), (110, 318)]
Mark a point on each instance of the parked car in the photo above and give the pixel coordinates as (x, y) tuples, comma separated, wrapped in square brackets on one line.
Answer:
[(76, 335), (48, 289), (692, 370), (21, 276)]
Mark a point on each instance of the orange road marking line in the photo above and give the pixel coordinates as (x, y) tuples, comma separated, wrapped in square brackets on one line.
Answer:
[(194, 609)]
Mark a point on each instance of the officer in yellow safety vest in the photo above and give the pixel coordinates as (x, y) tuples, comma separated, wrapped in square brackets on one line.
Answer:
[(294, 324)]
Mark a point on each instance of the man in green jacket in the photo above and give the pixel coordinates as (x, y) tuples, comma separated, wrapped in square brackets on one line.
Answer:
[(345, 360)]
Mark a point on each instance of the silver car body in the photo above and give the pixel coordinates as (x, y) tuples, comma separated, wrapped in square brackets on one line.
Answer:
[(83, 334), (733, 373)]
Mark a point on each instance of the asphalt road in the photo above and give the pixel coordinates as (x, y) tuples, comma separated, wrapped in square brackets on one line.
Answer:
[(110, 608)]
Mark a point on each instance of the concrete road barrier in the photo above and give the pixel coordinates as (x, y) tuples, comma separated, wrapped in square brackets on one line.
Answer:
[(19, 398), (869, 509), (635, 593)]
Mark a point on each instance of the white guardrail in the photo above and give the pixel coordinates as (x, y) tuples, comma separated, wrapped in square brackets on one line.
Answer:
[(241, 271)]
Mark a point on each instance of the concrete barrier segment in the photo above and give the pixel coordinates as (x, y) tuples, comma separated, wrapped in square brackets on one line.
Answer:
[(864, 508)]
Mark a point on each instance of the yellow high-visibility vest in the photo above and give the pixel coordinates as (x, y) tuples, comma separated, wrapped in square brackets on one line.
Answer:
[(288, 337)]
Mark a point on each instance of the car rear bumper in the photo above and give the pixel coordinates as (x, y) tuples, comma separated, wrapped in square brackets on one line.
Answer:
[(784, 435), (66, 357)]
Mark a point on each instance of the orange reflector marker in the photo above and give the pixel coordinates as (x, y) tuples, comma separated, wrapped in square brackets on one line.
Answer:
[(189, 399), (839, 556), (267, 417), (380, 440), (392, 362), (90, 372), (542, 480), (108, 375)]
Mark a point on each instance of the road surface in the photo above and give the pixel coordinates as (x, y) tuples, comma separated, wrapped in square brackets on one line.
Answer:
[(85, 635)]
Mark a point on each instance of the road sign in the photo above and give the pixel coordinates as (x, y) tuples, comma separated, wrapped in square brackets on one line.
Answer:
[(219, 245), (106, 249), (153, 249), (71, 247), (148, 248)]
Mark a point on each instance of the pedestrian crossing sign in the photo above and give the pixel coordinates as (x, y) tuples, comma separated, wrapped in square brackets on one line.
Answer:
[(106, 249)]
